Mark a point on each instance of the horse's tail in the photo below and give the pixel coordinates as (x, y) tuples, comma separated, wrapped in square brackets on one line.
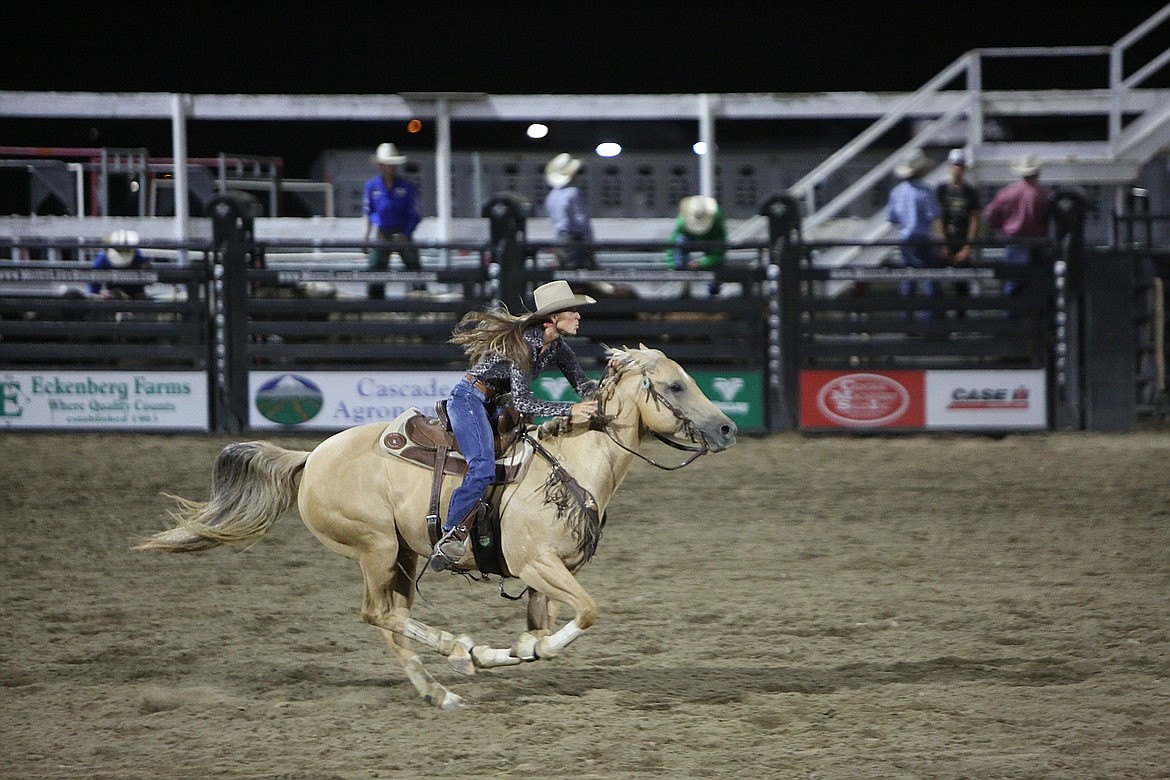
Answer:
[(252, 484)]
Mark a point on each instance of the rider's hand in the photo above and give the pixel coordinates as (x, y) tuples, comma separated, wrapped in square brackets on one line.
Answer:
[(583, 411)]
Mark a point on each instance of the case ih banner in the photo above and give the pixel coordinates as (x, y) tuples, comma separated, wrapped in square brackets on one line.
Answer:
[(923, 400)]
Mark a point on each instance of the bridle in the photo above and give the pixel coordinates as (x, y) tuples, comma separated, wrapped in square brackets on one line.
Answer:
[(659, 401)]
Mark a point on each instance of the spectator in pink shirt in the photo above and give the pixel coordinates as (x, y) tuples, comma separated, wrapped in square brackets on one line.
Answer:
[(1020, 210)]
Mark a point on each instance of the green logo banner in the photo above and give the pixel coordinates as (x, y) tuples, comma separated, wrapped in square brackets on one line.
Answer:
[(738, 394)]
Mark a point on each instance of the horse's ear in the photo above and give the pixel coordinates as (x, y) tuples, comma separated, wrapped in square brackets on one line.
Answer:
[(642, 346)]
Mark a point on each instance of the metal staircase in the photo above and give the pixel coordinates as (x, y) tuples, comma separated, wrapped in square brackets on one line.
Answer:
[(955, 109)]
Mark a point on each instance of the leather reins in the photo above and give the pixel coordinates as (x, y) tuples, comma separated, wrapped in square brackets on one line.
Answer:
[(659, 399)]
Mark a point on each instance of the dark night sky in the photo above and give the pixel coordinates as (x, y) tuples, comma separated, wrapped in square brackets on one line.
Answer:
[(515, 48), (512, 48)]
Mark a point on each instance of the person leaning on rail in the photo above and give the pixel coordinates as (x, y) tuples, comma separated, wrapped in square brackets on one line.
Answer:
[(1020, 210), (390, 205), (121, 252), (699, 219), (566, 209)]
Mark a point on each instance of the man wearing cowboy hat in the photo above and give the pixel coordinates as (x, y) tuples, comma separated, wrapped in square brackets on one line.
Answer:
[(1020, 210), (566, 210), (121, 252), (914, 208), (390, 205), (507, 352), (699, 219)]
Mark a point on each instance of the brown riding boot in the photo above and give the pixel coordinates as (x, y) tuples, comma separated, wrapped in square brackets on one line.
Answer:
[(453, 544)]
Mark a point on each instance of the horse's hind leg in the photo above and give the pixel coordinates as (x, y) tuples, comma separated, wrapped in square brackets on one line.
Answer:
[(389, 594)]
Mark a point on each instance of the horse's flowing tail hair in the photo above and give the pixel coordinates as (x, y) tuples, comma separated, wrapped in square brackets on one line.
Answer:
[(252, 484)]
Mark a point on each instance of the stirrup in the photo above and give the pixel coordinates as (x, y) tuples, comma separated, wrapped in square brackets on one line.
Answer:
[(440, 560)]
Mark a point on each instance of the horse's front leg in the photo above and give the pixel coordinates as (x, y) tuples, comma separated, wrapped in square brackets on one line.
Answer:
[(551, 582), (542, 613)]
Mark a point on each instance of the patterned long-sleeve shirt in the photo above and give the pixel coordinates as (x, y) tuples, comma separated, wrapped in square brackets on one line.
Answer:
[(504, 376)]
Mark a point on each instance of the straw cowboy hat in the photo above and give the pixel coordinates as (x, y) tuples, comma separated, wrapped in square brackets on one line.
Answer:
[(120, 247), (387, 154), (557, 296), (1028, 165), (914, 164), (561, 169), (698, 213)]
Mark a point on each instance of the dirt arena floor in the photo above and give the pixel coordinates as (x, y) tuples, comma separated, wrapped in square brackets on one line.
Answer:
[(797, 607)]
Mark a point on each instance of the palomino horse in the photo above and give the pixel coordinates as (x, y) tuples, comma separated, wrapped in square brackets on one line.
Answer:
[(371, 506)]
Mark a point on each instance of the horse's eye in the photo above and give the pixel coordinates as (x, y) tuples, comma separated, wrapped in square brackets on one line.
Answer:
[(676, 387)]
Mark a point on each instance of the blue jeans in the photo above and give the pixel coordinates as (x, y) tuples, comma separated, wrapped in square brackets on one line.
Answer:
[(471, 413), (917, 253), (1017, 255)]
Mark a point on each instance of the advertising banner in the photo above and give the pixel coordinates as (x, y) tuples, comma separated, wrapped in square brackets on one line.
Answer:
[(924, 400), (738, 394), (335, 400), (120, 400)]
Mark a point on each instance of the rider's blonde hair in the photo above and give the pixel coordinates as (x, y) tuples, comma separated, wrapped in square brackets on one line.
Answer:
[(494, 331)]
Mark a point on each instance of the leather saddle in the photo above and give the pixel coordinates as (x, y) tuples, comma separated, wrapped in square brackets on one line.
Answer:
[(429, 442)]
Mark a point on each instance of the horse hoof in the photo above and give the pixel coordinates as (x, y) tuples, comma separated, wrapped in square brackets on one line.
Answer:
[(443, 698), (525, 647), (465, 666)]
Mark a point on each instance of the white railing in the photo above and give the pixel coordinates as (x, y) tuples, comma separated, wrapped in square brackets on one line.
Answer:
[(967, 102)]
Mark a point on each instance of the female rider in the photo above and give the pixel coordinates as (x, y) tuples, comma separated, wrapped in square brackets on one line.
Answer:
[(506, 353)]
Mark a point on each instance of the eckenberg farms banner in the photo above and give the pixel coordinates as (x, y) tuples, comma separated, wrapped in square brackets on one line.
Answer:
[(119, 400)]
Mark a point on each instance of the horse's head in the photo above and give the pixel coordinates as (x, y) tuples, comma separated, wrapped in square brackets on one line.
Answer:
[(668, 401)]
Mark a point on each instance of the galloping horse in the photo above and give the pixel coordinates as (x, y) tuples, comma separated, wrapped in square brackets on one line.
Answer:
[(371, 506)]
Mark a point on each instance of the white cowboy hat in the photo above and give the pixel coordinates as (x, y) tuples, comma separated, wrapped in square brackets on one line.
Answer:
[(387, 154), (914, 164), (698, 213), (561, 169), (957, 157), (1028, 165), (120, 247), (557, 296)]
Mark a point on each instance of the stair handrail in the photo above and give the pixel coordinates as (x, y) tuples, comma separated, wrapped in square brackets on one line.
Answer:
[(1119, 84), (969, 64)]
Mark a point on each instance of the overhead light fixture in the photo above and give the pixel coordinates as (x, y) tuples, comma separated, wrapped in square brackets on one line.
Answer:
[(537, 130), (608, 149)]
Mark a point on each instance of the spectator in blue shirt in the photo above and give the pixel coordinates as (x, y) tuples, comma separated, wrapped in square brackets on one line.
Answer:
[(121, 252), (914, 208), (390, 205)]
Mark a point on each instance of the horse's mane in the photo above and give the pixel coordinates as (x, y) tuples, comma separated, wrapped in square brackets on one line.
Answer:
[(583, 525), (626, 359)]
